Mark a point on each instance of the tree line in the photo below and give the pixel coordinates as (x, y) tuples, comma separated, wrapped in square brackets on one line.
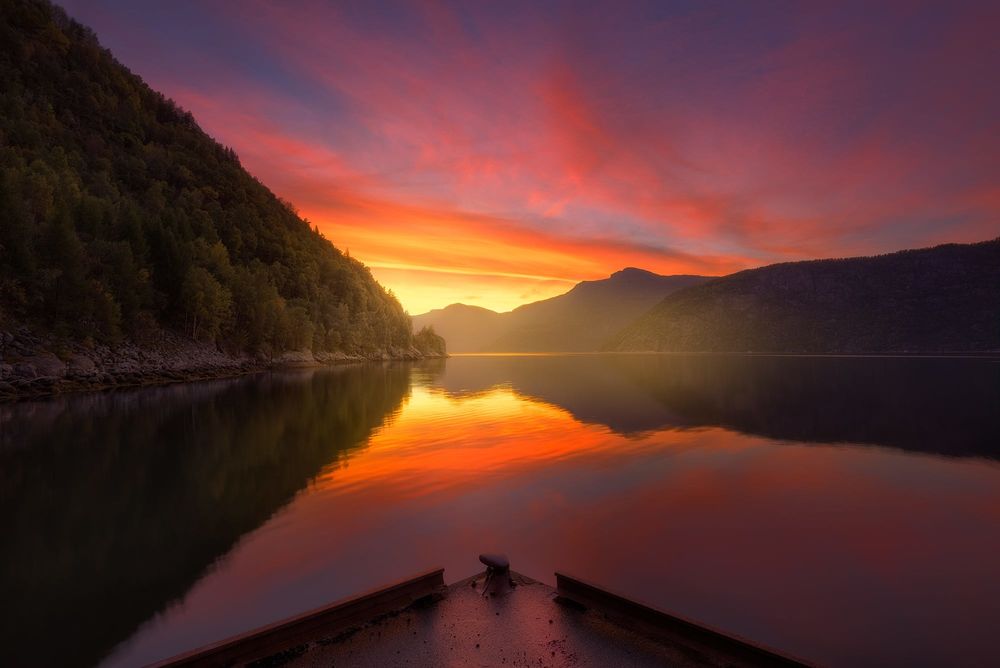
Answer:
[(120, 217)]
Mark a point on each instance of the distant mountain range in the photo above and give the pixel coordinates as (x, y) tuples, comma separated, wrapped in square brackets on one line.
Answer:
[(942, 299), (581, 320)]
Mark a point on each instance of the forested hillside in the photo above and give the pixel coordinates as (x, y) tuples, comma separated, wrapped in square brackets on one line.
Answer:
[(120, 217), (942, 299)]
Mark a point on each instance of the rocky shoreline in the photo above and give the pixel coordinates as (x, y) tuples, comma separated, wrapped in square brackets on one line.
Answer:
[(33, 366)]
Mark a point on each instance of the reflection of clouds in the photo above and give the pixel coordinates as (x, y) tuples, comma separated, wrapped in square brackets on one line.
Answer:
[(800, 545), (460, 395), (740, 531)]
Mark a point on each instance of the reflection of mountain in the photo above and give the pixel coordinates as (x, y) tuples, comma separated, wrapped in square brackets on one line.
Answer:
[(938, 405), (112, 505)]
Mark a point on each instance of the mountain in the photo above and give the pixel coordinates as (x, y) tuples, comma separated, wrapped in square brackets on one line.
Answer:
[(463, 327), (123, 220), (577, 321), (942, 299), (583, 318)]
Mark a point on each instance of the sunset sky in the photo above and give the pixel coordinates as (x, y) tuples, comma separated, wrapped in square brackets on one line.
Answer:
[(498, 153)]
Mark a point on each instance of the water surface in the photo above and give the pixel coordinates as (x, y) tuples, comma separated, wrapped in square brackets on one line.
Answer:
[(846, 510)]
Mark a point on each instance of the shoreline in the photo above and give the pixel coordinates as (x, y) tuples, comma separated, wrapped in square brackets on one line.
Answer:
[(30, 367), (48, 387), (34, 371)]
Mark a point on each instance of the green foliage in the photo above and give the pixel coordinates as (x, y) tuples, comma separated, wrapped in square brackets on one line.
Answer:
[(207, 302), (429, 343), (118, 213)]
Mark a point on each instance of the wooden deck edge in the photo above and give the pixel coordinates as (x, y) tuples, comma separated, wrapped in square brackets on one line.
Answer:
[(326, 621), (651, 620)]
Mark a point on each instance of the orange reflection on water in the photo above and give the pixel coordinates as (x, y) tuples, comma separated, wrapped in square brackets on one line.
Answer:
[(807, 547), (441, 442)]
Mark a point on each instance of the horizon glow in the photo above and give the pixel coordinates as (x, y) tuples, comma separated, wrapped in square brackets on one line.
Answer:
[(498, 155)]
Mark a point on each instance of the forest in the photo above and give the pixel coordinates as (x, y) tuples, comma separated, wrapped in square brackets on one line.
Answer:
[(121, 218)]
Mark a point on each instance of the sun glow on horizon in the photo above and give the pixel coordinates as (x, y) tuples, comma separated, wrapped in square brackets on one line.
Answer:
[(422, 289), (496, 158)]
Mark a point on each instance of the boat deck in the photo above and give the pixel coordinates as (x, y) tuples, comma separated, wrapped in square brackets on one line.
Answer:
[(420, 622), (523, 628)]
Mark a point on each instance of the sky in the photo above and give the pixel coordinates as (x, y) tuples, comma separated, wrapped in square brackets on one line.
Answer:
[(498, 153)]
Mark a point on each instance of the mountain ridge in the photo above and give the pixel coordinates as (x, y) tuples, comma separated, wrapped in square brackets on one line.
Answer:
[(564, 323), (940, 299)]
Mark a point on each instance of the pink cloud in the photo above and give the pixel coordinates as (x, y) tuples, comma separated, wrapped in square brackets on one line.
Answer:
[(579, 142)]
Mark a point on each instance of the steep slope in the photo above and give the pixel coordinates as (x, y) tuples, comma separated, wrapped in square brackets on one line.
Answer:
[(938, 299), (577, 321), (121, 218), (463, 327)]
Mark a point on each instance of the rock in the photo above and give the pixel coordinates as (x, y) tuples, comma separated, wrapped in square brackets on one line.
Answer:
[(6, 371), (25, 370), (329, 358), (296, 358), (81, 365), (47, 365)]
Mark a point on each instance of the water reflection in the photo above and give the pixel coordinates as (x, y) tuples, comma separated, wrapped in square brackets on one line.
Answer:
[(699, 483), (112, 505), (939, 405)]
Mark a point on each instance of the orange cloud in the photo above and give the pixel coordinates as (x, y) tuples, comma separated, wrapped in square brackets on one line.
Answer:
[(428, 253), (470, 155)]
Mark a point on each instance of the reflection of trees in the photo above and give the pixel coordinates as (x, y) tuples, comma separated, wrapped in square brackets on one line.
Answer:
[(945, 406), (112, 505), (428, 370)]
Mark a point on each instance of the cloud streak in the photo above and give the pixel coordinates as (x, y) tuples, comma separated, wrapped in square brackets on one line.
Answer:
[(511, 151)]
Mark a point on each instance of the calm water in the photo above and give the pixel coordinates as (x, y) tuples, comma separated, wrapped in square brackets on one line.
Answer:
[(846, 510)]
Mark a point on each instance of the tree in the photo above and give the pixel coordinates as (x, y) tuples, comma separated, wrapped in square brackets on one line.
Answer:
[(207, 303), (429, 342), (117, 212)]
